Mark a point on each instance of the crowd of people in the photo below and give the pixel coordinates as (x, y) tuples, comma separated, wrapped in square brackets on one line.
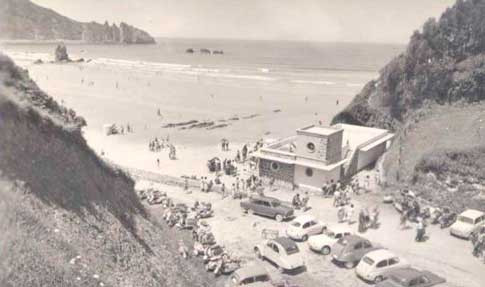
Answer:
[(156, 145)]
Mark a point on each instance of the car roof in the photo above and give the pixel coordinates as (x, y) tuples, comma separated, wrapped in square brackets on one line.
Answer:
[(406, 274), (380, 254), (340, 228), (304, 218), (259, 197), (285, 242), (472, 213), (352, 239), (251, 271)]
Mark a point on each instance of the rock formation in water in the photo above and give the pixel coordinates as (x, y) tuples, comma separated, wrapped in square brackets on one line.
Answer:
[(24, 20)]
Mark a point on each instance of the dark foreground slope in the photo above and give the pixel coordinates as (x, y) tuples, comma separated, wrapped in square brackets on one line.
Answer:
[(432, 96), (24, 20), (59, 202)]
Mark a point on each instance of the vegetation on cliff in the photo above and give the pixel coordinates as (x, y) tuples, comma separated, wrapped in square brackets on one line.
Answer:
[(68, 218), (24, 20), (444, 63)]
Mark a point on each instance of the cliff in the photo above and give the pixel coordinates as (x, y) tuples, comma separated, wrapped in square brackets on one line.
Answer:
[(432, 96), (24, 20), (67, 218), (443, 64)]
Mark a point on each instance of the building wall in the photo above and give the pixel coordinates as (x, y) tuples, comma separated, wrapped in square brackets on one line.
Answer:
[(370, 156), (334, 148), (285, 172), (318, 178)]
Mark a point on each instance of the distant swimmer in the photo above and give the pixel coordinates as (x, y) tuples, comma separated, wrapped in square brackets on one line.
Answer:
[(158, 113), (117, 85), (337, 102)]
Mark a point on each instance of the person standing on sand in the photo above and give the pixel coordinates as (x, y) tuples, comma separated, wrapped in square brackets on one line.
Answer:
[(186, 185), (223, 191), (158, 162)]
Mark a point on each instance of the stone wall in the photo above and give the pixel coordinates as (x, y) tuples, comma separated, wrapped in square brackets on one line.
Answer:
[(284, 172)]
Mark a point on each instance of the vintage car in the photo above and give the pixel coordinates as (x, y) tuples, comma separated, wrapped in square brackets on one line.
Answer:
[(375, 264), (304, 226), (323, 243), (267, 206), (350, 249), (254, 275), (467, 222), (410, 277), (282, 251)]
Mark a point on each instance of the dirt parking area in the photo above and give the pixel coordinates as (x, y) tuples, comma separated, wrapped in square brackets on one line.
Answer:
[(442, 254)]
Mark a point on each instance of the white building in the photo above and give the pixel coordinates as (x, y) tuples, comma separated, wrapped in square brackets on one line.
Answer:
[(318, 154)]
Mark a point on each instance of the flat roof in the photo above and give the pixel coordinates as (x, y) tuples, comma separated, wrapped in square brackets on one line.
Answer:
[(472, 213), (358, 135), (319, 130)]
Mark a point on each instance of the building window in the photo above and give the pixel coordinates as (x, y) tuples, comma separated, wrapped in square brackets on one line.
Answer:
[(275, 166), (309, 172), (311, 147)]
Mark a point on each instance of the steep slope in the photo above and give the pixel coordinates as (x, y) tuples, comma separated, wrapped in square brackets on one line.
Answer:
[(24, 20), (442, 64), (67, 218), (433, 96)]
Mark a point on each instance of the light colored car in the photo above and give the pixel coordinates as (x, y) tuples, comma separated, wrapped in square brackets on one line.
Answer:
[(282, 251), (467, 222), (323, 243), (254, 275), (375, 264), (303, 227)]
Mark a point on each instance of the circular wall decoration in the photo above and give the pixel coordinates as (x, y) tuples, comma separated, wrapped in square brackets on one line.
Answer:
[(309, 172), (310, 146), (275, 166)]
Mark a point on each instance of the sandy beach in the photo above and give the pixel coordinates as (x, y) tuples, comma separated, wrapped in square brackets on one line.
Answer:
[(239, 108)]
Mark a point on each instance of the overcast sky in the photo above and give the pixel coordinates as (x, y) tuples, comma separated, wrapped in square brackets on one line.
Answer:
[(389, 21)]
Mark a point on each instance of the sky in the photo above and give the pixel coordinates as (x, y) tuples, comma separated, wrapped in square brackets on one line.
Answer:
[(382, 21)]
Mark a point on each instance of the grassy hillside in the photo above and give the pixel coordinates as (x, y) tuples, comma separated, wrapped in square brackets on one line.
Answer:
[(432, 96), (59, 201)]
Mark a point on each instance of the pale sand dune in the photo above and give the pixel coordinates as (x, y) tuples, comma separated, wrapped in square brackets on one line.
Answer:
[(103, 94)]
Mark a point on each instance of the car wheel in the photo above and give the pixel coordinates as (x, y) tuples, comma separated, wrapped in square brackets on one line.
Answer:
[(304, 238), (378, 279), (349, 264), (258, 253), (250, 211), (326, 250), (279, 217)]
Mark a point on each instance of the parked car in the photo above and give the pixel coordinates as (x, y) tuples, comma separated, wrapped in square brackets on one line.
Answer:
[(254, 275), (282, 251), (323, 243), (304, 226), (350, 249), (467, 222), (375, 264), (267, 206), (411, 277)]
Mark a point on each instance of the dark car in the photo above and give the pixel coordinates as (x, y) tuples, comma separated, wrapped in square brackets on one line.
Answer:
[(350, 249), (267, 206), (411, 277)]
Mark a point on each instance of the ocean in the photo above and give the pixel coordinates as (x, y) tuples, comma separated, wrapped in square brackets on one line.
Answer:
[(254, 89)]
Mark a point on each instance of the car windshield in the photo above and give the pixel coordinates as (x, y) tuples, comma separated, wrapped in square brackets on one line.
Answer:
[(465, 219), (296, 224), (368, 260), (292, 249)]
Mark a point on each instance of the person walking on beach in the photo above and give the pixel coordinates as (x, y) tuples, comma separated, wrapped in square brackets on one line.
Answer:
[(186, 185), (223, 191), (158, 162)]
